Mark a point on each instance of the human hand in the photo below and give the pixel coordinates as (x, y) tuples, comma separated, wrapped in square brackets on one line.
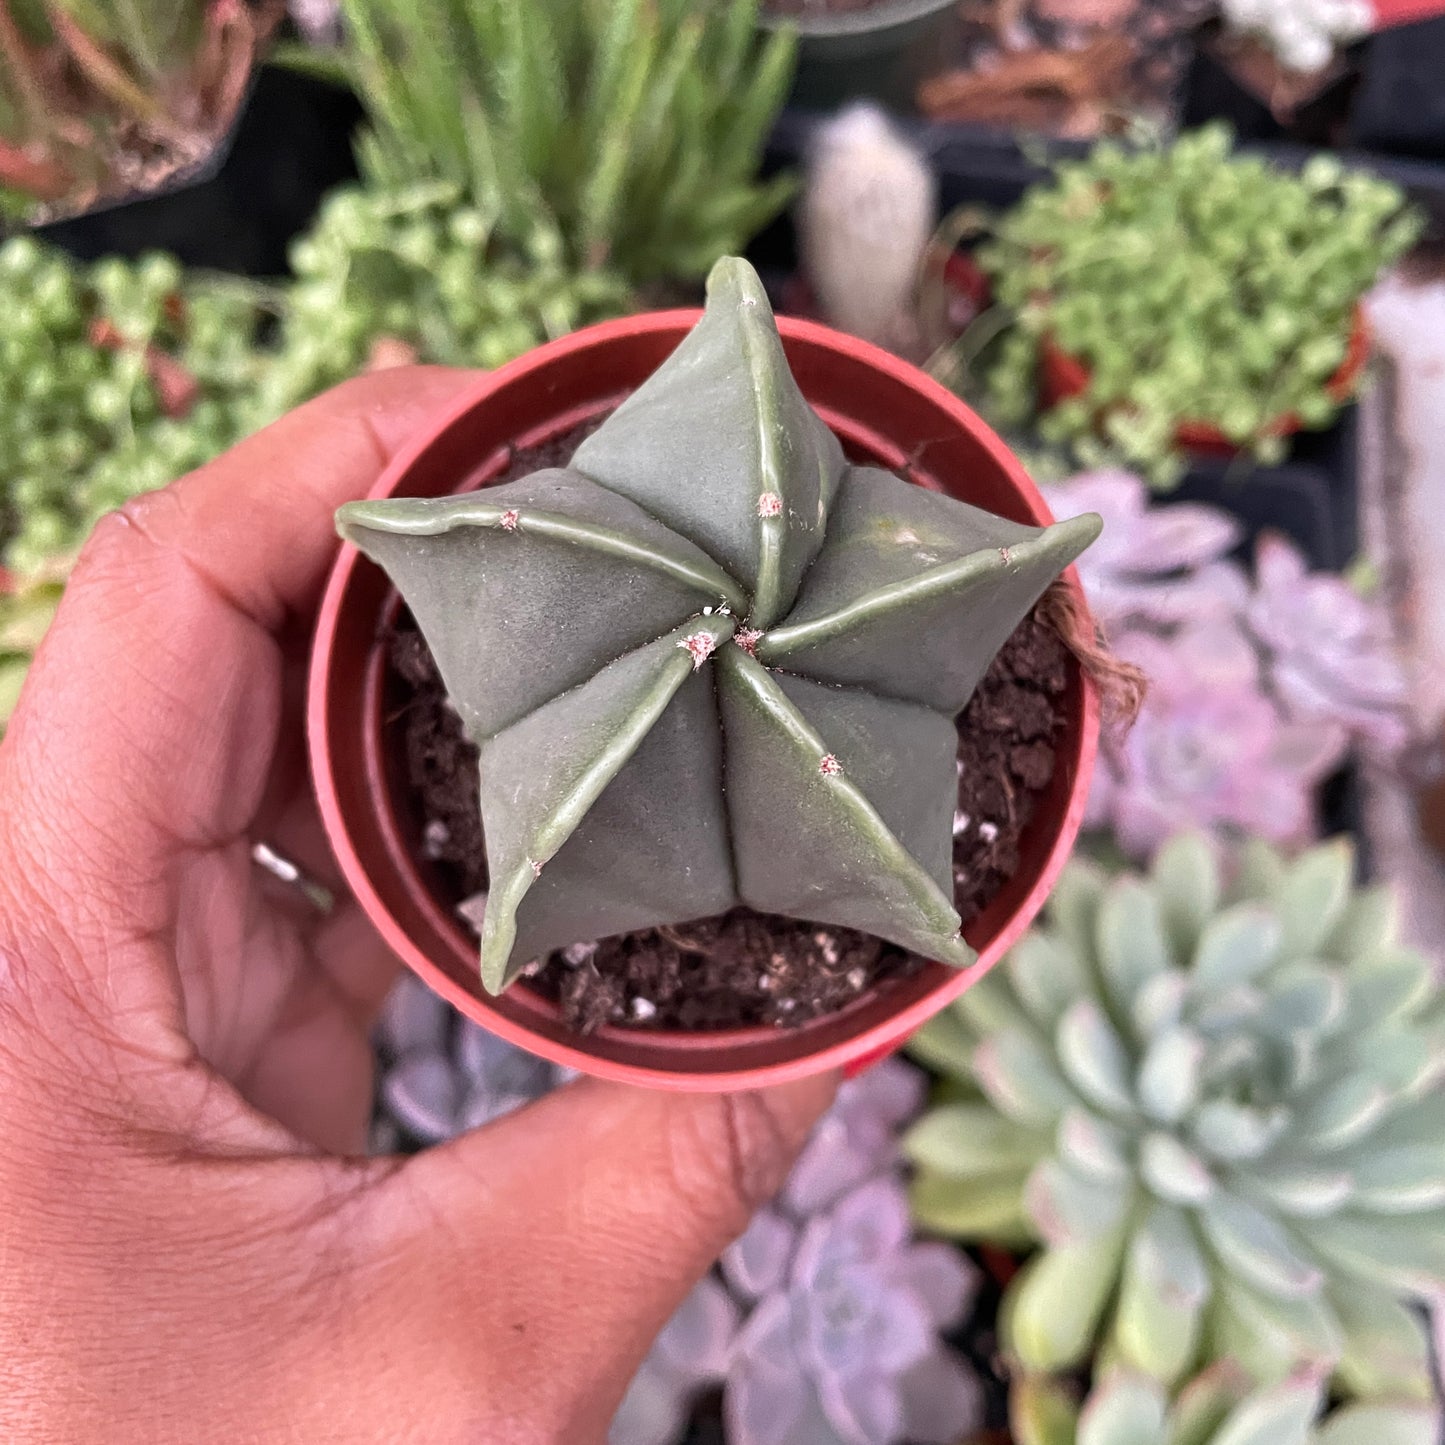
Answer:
[(192, 1246)]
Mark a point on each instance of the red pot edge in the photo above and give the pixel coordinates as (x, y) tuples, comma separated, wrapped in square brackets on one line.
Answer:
[(851, 1055), (1062, 375)]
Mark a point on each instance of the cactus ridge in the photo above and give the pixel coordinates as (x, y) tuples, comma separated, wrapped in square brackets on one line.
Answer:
[(710, 662)]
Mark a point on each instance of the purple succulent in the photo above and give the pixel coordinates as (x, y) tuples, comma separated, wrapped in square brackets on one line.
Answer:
[(1152, 565), (445, 1074), (1210, 749), (842, 1310), (856, 1139), (691, 1353), (1331, 655), (842, 1347)]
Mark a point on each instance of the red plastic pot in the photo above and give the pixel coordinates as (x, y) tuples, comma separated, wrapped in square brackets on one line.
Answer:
[(1063, 376), (886, 412)]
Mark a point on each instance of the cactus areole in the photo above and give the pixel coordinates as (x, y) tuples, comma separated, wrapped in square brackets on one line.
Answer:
[(706, 662)]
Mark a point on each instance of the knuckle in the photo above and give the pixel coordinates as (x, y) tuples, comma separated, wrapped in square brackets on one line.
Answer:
[(729, 1158)]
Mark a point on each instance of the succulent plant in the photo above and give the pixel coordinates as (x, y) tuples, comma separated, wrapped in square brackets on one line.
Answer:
[(1210, 748), (865, 220), (1154, 565), (854, 1143), (416, 267), (1220, 1407), (690, 1354), (1245, 314), (1214, 1098), (115, 378), (710, 579), (841, 1346), (441, 1073), (1330, 653)]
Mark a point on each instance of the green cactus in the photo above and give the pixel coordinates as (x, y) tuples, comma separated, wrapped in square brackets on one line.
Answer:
[(1218, 1105), (710, 662), (1220, 1407)]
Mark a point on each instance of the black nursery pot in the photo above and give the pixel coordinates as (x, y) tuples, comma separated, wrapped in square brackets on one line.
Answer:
[(239, 210), (877, 52)]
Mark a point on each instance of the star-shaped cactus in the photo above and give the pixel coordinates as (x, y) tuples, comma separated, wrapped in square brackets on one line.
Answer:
[(710, 662)]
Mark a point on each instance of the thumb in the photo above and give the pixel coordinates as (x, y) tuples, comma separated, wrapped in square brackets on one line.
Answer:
[(565, 1235)]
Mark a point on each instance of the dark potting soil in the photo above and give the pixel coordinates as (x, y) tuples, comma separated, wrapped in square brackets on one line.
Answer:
[(743, 968)]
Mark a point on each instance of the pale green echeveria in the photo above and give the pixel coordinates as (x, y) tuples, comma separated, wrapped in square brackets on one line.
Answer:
[(710, 662), (1216, 1102), (1219, 1407)]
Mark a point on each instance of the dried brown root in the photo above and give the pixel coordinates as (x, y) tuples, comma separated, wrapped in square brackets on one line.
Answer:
[(1121, 685)]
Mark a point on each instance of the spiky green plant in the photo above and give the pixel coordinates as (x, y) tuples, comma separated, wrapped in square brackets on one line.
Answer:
[(1220, 1407), (618, 133), (709, 585), (1214, 1098)]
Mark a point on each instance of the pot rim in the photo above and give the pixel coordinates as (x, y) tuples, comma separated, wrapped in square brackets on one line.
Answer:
[(854, 1050), (874, 19)]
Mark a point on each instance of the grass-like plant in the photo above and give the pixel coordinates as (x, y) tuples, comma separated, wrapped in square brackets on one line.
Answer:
[(611, 133)]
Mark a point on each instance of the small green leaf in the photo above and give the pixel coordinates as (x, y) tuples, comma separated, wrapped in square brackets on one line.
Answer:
[(1068, 1208), (1073, 907), (1344, 1113), (1404, 1252), (1159, 1005), (1094, 1059), (1235, 1132), (1051, 1311), (1168, 1080), (1403, 1180), (1045, 976), (1381, 1424), (1281, 1416), (1389, 985), (1237, 946), (1257, 1249), (989, 1208), (972, 1139), (1270, 1336), (1019, 1076), (1303, 998), (1042, 1412), (946, 1042), (1131, 943), (1387, 1347), (1205, 1402), (1186, 881), (1260, 872), (1161, 1301), (1125, 1410), (1313, 895), (1093, 1147), (1172, 1172), (1301, 1192), (1367, 924)]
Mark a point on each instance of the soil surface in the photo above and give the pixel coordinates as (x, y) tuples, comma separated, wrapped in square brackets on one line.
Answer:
[(743, 968)]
